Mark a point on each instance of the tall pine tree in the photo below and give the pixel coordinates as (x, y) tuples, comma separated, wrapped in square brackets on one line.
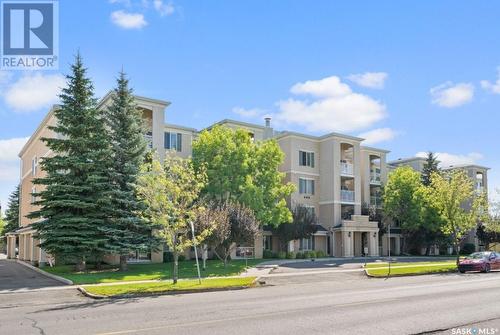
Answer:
[(12, 213), (74, 202), (430, 166), (127, 231)]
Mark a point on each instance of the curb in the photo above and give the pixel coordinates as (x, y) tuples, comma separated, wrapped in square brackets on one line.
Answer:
[(409, 274), (257, 282), (50, 275)]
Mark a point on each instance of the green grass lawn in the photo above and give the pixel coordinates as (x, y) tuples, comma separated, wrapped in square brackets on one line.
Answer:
[(183, 285), (410, 268), (150, 271)]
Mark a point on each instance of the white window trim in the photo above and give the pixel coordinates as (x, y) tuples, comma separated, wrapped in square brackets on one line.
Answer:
[(313, 182)]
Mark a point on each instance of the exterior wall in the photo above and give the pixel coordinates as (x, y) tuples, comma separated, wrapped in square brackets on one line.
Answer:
[(187, 141), (34, 148)]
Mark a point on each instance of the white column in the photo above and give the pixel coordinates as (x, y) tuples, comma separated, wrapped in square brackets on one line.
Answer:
[(158, 131)]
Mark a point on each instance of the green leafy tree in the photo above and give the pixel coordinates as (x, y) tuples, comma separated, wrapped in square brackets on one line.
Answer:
[(12, 212), (488, 231), (403, 200), (451, 195), (73, 203), (127, 230), (430, 167), (171, 195), (242, 171), (303, 225)]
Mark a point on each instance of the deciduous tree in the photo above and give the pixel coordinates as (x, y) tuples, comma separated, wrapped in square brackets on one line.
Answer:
[(171, 195), (451, 195)]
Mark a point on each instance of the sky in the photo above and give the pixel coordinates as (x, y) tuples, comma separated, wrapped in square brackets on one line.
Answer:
[(410, 78)]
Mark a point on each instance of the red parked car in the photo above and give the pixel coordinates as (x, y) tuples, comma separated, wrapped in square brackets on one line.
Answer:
[(480, 261)]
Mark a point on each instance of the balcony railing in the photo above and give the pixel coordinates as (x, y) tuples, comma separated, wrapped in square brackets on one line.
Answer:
[(346, 169), (375, 178), (346, 196), (375, 201)]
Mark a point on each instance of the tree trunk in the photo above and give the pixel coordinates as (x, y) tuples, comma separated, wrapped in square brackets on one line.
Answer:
[(81, 265), (176, 267), (457, 250), (225, 261), (123, 263)]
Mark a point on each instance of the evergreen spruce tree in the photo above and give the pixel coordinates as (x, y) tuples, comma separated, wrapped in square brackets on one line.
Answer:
[(73, 202), (127, 231), (12, 213), (430, 166)]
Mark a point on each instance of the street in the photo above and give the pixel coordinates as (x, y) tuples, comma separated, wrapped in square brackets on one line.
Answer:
[(323, 303)]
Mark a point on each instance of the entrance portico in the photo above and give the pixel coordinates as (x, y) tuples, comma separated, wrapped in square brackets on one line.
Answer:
[(356, 237)]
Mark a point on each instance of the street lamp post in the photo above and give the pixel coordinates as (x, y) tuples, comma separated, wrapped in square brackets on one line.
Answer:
[(195, 252)]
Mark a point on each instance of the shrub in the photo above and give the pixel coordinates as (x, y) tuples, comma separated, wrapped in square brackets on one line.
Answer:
[(320, 254), (468, 248), (168, 257), (268, 254), (182, 258), (281, 255), (290, 255), (299, 255), (310, 254)]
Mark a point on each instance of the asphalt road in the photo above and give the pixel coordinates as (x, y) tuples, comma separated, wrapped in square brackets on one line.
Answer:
[(14, 276), (324, 303)]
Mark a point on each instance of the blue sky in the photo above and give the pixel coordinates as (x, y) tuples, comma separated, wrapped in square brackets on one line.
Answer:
[(410, 78)]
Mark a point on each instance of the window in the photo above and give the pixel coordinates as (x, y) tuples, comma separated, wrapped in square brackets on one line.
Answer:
[(33, 197), (173, 141), (310, 209), (306, 158), (34, 166), (306, 186), (268, 242), (307, 243)]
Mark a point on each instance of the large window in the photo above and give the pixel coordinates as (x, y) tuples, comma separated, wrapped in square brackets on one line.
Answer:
[(173, 141), (306, 186), (307, 243), (306, 158), (34, 166)]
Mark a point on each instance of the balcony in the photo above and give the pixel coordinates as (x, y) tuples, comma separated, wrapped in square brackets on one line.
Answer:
[(346, 169), (375, 178), (346, 196), (375, 201)]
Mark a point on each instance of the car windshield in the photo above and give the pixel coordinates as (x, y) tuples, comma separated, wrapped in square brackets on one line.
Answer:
[(478, 255)]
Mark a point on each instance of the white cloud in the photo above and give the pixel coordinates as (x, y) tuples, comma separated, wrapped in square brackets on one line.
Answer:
[(248, 113), (336, 107), (452, 95), (34, 91), (378, 135), (128, 20), (447, 159), (164, 9), (492, 87), (369, 79), (9, 166), (10, 148), (122, 2)]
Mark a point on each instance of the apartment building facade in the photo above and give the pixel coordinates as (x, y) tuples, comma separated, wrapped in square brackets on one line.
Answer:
[(335, 176)]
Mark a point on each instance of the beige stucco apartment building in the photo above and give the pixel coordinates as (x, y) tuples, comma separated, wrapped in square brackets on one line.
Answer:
[(334, 173)]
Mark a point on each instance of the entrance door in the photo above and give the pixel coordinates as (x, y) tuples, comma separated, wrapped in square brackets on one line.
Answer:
[(364, 244)]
